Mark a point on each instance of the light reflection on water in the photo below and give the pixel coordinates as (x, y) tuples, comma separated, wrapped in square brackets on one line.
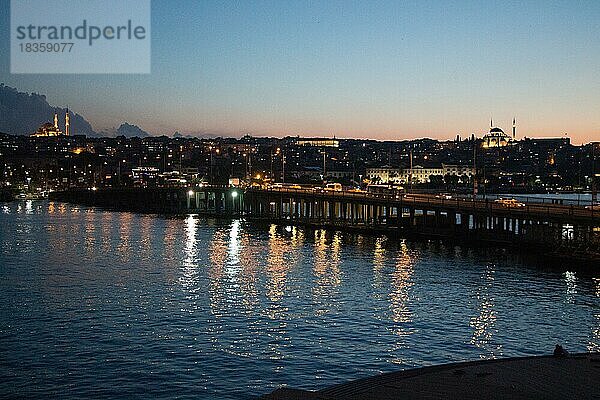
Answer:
[(189, 271), (594, 343), (571, 283), (277, 268), (483, 324), (326, 271), (101, 304), (401, 297)]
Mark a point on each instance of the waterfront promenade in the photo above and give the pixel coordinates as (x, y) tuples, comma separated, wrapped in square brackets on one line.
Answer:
[(546, 377)]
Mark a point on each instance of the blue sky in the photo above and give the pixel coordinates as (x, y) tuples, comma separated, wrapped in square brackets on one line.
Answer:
[(379, 69)]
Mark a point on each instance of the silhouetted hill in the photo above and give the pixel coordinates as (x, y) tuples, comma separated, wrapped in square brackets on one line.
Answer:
[(22, 113), (129, 130)]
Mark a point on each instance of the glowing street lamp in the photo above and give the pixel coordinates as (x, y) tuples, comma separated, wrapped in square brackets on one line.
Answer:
[(234, 195)]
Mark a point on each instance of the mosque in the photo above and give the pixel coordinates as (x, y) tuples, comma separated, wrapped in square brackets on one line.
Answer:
[(498, 138), (50, 130)]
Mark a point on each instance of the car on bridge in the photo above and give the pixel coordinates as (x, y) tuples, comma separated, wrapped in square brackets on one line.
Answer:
[(510, 202), (334, 186)]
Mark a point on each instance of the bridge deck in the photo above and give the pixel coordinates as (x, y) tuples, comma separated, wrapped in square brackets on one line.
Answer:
[(458, 204)]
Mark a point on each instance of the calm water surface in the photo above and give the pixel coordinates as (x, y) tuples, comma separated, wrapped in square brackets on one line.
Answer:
[(99, 304)]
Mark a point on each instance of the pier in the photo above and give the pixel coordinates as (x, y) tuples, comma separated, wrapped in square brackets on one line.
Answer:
[(563, 229)]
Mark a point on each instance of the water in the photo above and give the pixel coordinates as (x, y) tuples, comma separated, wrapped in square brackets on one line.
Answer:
[(98, 304)]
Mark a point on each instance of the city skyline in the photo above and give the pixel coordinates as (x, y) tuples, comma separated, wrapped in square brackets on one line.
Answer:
[(275, 199), (387, 71)]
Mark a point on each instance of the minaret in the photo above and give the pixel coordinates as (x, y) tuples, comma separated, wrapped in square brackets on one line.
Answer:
[(514, 128), (56, 121), (67, 123), (491, 123)]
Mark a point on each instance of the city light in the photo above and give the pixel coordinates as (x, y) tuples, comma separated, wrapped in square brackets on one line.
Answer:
[(309, 195)]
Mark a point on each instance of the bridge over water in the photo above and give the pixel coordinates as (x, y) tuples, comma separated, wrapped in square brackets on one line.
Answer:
[(465, 219), (570, 229)]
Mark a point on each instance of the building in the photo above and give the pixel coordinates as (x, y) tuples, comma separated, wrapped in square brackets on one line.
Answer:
[(497, 138), (144, 175), (52, 130), (383, 174), (417, 174), (458, 170), (316, 174), (318, 142)]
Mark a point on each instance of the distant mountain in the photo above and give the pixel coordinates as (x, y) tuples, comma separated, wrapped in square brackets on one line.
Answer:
[(126, 129), (23, 113), (129, 130), (110, 132)]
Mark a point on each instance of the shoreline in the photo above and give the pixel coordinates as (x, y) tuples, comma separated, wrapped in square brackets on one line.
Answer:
[(531, 377)]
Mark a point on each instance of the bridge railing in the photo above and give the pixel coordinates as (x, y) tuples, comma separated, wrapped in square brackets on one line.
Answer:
[(577, 199)]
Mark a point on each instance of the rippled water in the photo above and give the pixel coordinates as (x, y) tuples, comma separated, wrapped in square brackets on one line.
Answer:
[(100, 304)]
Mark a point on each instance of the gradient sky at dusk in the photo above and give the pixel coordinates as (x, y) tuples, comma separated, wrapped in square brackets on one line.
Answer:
[(377, 69)]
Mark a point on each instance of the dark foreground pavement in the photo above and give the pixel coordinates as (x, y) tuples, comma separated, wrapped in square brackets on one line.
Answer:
[(544, 377)]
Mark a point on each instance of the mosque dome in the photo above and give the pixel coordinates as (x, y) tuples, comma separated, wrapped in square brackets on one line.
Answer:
[(496, 138)]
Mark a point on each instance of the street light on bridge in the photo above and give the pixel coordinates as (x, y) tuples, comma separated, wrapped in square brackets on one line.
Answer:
[(234, 195)]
